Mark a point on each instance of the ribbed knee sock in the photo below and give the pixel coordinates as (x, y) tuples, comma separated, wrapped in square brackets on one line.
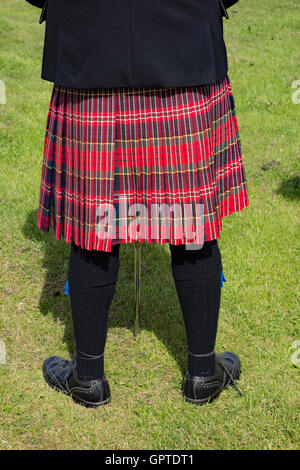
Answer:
[(197, 276), (92, 280)]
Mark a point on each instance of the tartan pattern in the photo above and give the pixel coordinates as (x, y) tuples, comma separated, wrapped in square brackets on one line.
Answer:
[(142, 145)]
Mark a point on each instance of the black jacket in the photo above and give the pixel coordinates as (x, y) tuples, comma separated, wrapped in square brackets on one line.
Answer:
[(133, 43)]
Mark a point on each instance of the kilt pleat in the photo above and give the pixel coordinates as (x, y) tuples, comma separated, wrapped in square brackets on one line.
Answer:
[(117, 147)]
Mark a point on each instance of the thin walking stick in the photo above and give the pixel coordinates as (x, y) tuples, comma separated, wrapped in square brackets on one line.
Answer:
[(137, 286)]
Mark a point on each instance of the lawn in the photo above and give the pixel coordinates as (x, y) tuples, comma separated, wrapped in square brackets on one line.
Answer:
[(259, 308)]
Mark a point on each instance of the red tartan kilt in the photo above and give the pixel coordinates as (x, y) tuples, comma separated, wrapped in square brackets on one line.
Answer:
[(105, 147)]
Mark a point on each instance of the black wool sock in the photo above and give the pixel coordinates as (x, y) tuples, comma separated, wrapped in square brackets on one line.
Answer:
[(92, 280), (197, 276)]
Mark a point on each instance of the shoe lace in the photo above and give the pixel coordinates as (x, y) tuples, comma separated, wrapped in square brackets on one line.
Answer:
[(87, 357), (231, 377)]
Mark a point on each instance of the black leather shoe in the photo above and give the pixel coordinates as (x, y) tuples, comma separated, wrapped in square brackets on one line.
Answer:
[(61, 375), (205, 389)]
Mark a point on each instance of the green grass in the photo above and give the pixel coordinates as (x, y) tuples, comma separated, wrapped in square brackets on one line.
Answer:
[(258, 317)]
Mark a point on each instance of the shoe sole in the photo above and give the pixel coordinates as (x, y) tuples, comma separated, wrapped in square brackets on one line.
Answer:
[(204, 401), (79, 401)]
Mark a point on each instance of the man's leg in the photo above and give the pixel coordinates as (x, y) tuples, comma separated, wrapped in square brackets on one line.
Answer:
[(92, 279), (197, 276)]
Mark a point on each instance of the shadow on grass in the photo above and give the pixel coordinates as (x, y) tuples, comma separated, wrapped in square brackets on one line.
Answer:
[(160, 306), (290, 188)]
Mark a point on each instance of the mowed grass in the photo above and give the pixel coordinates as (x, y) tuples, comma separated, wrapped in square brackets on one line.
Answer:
[(259, 307)]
